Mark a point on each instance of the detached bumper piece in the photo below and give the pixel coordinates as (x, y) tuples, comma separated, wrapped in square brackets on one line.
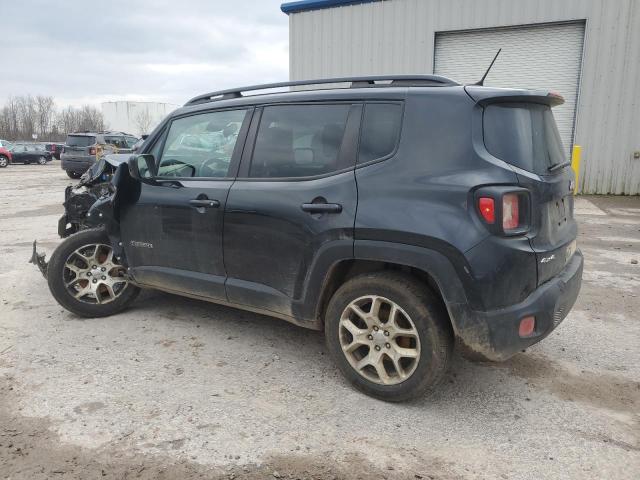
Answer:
[(38, 259)]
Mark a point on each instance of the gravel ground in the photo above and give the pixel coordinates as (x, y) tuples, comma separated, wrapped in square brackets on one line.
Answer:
[(177, 388)]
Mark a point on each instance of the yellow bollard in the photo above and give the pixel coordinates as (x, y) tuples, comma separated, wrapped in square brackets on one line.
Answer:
[(575, 164)]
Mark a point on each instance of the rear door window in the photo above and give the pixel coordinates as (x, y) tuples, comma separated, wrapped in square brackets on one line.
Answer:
[(80, 140), (524, 135), (299, 141), (380, 131)]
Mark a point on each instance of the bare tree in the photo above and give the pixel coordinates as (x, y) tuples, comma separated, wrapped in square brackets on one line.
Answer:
[(67, 120), (45, 110), (143, 121), (90, 118), (22, 116), (26, 115)]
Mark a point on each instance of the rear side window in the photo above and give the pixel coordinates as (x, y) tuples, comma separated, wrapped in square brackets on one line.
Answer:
[(524, 135), (116, 142), (380, 131), (299, 141), (80, 141)]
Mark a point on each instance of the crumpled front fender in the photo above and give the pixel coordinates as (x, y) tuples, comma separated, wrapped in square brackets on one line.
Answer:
[(105, 212)]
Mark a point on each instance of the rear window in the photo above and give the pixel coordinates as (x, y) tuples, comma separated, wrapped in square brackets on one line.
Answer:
[(524, 135), (380, 131), (80, 140), (116, 141)]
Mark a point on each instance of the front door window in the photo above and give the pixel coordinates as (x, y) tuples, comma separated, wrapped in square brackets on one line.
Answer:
[(201, 145)]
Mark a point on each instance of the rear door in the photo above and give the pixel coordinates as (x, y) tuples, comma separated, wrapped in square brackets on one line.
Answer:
[(525, 135), (293, 203), (173, 233)]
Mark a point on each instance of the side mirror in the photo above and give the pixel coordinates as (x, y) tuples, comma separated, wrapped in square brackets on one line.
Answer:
[(142, 167)]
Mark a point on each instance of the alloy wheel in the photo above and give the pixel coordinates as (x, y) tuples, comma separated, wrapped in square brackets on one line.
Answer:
[(92, 275), (379, 340), (42, 161)]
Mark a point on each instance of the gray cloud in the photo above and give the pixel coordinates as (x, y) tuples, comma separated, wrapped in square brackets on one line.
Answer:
[(82, 51)]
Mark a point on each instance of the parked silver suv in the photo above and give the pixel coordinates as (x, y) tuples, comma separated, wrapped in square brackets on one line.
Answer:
[(82, 149)]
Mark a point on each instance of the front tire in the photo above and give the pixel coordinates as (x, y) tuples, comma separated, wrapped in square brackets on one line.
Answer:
[(42, 160), (74, 175), (389, 335), (4, 161), (85, 277)]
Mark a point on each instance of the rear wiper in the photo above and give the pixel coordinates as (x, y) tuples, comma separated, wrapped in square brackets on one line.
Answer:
[(558, 166)]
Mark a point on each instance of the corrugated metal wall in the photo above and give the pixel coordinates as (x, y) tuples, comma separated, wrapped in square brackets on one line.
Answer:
[(397, 36)]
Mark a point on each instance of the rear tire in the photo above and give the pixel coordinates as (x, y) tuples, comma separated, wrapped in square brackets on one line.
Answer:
[(399, 353), (4, 161), (74, 175), (86, 279)]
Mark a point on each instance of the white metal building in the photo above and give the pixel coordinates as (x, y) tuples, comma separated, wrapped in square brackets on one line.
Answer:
[(587, 50), (138, 118)]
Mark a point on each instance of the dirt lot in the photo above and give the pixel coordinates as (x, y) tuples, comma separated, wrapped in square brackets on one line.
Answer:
[(176, 388)]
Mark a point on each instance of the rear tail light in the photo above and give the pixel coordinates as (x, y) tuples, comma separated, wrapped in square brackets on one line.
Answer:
[(510, 211), (92, 150), (487, 208), (504, 210)]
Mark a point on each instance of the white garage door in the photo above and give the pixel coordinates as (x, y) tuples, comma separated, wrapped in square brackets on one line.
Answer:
[(541, 56)]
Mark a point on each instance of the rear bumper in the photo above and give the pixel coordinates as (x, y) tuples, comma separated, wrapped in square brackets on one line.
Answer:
[(493, 334), (76, 164)]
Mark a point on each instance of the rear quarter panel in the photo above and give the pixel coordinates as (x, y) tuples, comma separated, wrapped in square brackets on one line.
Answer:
[(421, 196)]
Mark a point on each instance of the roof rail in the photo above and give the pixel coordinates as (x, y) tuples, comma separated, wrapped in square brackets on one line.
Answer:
[(356, 82)]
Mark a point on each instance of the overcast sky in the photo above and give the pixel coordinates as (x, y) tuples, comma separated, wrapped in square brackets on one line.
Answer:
[(83, 51)]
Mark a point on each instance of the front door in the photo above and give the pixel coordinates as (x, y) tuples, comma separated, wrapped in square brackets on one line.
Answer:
[(293, 202), (172, 235)]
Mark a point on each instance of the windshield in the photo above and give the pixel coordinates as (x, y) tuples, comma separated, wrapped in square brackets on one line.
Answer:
[(80, 141), (524, 135)]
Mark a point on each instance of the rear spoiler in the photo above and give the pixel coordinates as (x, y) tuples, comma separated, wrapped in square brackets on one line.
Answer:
[(485, 95)]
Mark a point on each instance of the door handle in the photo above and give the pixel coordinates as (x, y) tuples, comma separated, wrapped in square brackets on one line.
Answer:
[(204, 203), (321, 207)]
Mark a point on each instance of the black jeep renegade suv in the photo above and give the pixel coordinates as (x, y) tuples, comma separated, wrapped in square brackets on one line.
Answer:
[(397, 214)]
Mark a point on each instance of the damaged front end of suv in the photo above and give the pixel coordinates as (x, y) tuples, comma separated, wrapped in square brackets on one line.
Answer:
[(94, 184), (90, 203)]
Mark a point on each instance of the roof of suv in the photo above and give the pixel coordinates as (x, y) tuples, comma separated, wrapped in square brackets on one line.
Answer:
[(395, 87), (386, 81), (390, 87)]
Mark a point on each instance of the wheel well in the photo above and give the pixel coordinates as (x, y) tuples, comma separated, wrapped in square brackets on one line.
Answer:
[(347, 269)]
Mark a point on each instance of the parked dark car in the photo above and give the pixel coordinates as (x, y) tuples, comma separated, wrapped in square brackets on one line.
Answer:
[(29, 153), (54, 148), (394, 216), (83, 149)]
